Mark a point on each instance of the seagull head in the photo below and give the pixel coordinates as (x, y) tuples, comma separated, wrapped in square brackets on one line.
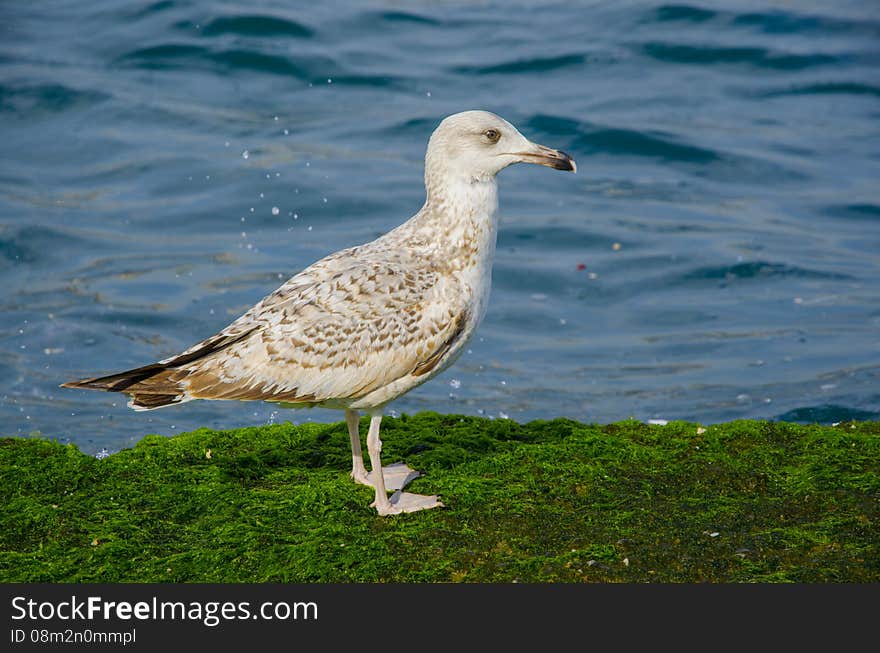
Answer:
[(477, 145)]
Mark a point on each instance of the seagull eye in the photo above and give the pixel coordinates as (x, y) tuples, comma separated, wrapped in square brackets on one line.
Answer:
[(492, 134)]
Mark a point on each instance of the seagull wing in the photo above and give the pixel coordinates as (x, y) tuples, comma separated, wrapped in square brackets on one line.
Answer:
[(341, 329)]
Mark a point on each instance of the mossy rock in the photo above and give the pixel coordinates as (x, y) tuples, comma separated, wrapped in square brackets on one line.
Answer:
[(545, 501)]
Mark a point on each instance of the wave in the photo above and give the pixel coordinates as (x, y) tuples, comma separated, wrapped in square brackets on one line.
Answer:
[(785, 22), (825, 88), (312, 69), (757, 270), (158, 7), (827, 414), (580, 138), (256, 25), (855, 211), (642, 143), (30, 99), (405, 17), (767, 22), (184, 56), (533, 65), (37, 244), (670, 13), (753, 56), (585, 137), (181, 55)]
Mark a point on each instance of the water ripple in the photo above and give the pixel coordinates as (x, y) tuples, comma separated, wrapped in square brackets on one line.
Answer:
[(786, 22), (316, 69), (396, 17), (534, 64), (870, 212), (757, 270), (776, 21), (701, 55), (827, 414), (642, 143), (256, 25), (689, 13), (824, 88), (30, 100)]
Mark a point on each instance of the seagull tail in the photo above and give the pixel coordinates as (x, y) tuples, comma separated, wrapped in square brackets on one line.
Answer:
[(159, 384), (151, 386)]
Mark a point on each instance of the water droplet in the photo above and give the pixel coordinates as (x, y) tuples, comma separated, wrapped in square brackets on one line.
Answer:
[(455, 384), (428, 94), (286, 132), (245, 154), (275, 210)]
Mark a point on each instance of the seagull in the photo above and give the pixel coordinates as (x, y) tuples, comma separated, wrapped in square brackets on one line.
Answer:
[(363, 326)]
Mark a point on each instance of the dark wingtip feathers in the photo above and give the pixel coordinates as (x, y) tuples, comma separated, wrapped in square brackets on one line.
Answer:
[(118, 382)]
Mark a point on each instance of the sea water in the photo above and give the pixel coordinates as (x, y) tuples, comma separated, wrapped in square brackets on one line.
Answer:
[(164, 165)]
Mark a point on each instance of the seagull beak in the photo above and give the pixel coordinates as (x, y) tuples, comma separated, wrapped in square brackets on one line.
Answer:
[(547, 157)]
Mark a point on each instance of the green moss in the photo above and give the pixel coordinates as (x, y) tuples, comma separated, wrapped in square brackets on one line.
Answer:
[(545, 501)]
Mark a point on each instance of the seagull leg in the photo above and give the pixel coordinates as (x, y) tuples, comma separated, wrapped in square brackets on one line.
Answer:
[(358, 471), (397, 476), (399, 501)]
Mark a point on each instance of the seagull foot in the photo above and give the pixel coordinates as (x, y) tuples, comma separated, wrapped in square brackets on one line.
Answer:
[(408, 502), (397, 476)]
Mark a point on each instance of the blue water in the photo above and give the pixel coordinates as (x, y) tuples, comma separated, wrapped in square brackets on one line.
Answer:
[(717, 256)]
